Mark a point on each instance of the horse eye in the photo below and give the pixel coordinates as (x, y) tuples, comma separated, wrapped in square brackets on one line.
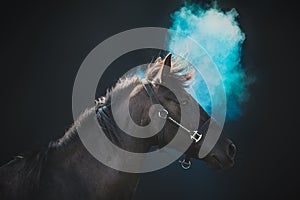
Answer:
[(184, 102)]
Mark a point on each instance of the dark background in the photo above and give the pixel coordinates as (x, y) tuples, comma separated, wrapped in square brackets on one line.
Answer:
[(44, 42)]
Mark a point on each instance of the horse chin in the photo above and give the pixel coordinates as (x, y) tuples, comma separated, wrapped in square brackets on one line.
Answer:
[(213, 162)]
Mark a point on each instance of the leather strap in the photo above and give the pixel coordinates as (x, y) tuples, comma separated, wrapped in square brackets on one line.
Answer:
[(148, 87)]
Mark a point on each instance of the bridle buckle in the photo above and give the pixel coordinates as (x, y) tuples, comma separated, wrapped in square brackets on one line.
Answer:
[(196, 136)]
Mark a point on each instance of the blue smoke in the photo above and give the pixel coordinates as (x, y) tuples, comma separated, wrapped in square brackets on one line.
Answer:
[(221, 37)]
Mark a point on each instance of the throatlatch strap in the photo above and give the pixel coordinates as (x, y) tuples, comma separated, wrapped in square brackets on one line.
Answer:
[(150, 92)]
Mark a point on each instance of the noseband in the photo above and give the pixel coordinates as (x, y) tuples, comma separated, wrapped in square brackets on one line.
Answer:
[(164, 114)]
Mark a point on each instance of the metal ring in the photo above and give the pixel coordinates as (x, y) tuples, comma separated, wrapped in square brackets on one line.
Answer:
[(163, 114), (185, 165)]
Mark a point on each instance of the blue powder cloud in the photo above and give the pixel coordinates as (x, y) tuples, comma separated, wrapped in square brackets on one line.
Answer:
[(221, 37)]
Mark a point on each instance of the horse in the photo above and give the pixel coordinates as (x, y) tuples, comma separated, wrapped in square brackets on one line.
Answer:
[(65, 169)]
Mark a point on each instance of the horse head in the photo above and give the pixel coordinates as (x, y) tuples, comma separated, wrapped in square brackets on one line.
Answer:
[(154, 91)]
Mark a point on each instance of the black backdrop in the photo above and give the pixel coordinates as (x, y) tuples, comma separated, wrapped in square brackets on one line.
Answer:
[(44, 42)]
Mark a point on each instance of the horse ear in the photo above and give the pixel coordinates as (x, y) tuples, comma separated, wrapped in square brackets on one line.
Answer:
[(166, 68)]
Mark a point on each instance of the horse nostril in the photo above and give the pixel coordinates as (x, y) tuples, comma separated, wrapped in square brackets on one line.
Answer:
[(231, 150)]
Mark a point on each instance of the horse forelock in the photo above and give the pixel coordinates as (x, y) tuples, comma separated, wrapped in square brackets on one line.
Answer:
[(181, 71)]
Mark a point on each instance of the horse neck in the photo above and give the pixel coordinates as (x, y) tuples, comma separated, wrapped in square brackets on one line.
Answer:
[(128, 108), (72, 158)]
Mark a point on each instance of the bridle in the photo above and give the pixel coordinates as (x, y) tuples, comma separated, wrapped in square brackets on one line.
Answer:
[(164, 114)]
